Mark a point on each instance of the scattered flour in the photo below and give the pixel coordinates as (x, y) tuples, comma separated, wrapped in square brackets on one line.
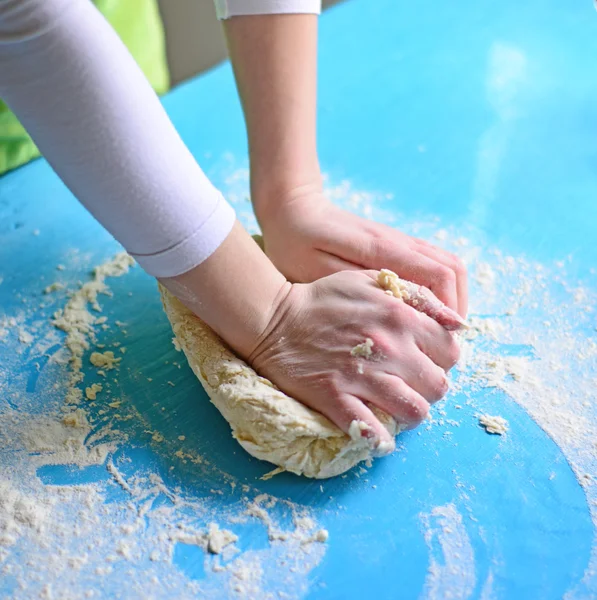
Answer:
[(546, 360), (451, 573), (72, 534)]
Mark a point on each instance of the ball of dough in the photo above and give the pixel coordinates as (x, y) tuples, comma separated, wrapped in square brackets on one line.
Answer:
[(267, 423)]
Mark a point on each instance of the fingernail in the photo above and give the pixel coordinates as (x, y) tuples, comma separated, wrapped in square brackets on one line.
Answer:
[(360, 429), (384, 448), (452, 315)]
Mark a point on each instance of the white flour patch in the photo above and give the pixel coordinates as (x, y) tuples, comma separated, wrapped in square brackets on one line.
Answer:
[(451, 572), (130, 525)]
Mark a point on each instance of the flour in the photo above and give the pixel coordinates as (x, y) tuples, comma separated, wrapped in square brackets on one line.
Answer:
[(128, 533), (451, 575), (65, 441), (24, 336), (53, 287), (19, 514), (218, 539), (78, 322), (53, 525)]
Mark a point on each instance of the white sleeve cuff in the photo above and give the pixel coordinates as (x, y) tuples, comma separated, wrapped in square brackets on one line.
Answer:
[(194, 249), (233, 8)]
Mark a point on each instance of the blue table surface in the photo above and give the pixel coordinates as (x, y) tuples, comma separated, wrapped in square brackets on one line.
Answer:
[(479, 115)]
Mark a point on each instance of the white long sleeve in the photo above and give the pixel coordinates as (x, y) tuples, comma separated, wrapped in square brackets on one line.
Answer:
[(234, 8), (80, 94)]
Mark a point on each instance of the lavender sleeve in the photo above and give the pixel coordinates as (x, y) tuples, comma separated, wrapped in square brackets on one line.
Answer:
[(90, 110)]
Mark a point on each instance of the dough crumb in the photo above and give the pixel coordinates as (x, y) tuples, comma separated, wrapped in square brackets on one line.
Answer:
[(357, 429), (53, 287), (363, 350), (92, 391), (494, 424), (104, 359), (399, 288)]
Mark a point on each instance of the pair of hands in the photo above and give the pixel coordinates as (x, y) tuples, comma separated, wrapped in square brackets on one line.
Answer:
[(335, 304)]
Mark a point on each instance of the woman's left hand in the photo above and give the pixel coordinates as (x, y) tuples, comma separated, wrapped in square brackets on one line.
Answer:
[(307, 238)]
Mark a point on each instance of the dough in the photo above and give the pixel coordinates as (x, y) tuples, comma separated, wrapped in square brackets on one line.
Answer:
[(267, 423), (493, 424)]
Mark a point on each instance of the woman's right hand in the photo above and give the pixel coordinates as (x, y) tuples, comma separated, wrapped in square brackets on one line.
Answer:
[(307, 350), (302, 336)]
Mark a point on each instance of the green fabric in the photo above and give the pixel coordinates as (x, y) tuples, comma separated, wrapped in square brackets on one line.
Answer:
[(139, 25)]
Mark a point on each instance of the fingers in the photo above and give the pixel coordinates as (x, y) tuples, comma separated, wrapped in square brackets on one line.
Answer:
[(451, 262), (438, 344), (424, 376), (423, 300), (441, 280), (376, 246), (392, 395), (354, 418), (414, 265), (324, 265)]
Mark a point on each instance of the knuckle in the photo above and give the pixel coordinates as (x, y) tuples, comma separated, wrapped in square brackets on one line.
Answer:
[(414, 410), (453, 352), (393, 315), (382, 344), (381, 247), (459, 266), (445, 276), (438, 388), (333, 386)]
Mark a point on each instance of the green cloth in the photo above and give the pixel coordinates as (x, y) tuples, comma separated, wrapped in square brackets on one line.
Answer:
[(139, 25)]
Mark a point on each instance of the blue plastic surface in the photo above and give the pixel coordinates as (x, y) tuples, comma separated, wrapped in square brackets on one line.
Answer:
[(479, 113)]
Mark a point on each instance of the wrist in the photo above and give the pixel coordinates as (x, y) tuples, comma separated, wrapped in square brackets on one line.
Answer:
[(236, 291), (272, 198)]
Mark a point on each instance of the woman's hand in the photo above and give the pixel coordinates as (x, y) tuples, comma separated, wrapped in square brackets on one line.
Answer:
[(307, 237), (341, 345), (302, 336)]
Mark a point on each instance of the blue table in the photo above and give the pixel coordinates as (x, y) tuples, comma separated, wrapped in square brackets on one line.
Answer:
[(477, 118)]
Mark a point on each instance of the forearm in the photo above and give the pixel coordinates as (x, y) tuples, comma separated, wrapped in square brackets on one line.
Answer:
[(235, 291), (274, 59), (93, 115), (87, 105)]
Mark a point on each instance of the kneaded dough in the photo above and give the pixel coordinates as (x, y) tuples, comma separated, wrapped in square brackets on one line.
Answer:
[(267, 423)]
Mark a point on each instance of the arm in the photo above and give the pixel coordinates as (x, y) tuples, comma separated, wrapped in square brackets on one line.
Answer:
[(87, 105), (70, 80), (274, 59)]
